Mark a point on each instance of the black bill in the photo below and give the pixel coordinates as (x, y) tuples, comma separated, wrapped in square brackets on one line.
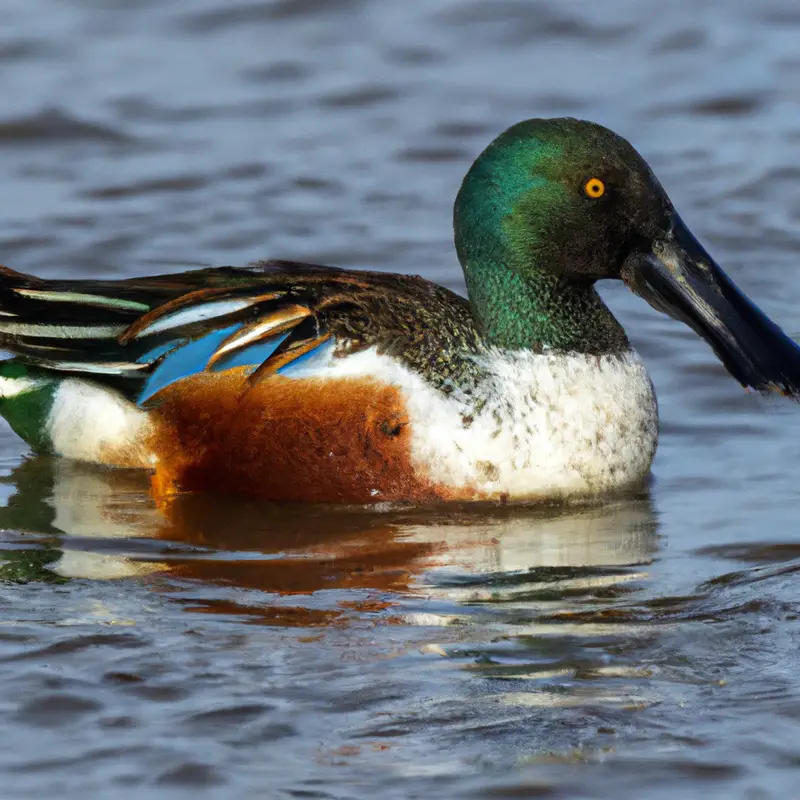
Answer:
[(679, 278)]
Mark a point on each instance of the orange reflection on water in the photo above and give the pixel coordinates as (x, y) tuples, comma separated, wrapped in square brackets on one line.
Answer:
[(303, 565)]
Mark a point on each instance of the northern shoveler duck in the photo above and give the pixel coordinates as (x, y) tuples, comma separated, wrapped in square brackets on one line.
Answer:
[(307, 383)]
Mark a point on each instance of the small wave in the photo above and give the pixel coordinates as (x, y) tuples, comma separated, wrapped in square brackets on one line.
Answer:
[(255, 13), (184, 183), (54, 125)]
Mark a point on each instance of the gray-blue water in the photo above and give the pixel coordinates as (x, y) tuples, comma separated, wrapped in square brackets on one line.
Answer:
[(644, 648)]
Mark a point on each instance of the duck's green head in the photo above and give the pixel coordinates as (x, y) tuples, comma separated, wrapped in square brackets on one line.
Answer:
[(553, 205), (558, 195)]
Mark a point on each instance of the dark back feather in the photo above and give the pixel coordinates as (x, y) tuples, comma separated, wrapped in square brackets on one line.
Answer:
[(117, 332)]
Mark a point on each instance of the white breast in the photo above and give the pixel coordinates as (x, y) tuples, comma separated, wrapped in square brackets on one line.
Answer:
[(550, 425)]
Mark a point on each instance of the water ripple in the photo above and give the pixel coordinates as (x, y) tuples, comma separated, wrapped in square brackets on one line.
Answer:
[(643, 648)]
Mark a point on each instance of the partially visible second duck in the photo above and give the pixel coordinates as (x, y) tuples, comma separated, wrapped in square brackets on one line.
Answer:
[(307, 383)]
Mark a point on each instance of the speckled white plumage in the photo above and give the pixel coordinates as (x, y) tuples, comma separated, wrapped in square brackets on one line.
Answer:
[(537, 426)]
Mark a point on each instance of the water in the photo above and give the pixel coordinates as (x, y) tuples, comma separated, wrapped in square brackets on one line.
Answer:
[(641, 648)]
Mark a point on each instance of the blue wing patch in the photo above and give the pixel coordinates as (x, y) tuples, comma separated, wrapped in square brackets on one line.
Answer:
[(182, 360)]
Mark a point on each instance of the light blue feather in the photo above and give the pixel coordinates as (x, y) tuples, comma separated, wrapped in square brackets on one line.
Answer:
[(181, 361), (250, 356), (160, 350), (184, 361), (309, 364)]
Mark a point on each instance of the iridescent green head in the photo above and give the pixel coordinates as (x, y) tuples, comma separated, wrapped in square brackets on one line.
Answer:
[(553, 205), (557, 196)]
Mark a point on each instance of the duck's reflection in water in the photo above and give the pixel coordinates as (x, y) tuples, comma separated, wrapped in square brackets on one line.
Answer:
[(305, 565)]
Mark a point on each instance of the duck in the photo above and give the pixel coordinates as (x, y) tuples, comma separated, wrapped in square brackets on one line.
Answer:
[(298, 382)]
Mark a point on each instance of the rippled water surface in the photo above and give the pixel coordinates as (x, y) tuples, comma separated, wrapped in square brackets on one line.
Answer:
[(643, 648)]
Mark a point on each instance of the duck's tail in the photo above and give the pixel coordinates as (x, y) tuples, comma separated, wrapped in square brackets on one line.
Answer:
[(54, 330), (73, 327)]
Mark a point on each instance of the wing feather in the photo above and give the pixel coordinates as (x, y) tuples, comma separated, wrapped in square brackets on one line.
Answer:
[(198, 306), (290, 349), (277, 322), (139, 334)]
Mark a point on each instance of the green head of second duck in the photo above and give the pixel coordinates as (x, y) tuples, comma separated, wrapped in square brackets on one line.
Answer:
[(553, 205)]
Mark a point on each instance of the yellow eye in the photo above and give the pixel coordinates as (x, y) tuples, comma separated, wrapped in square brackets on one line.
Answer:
[(594, 188)]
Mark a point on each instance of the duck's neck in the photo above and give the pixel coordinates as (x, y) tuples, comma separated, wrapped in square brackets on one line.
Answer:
[(539, 311), (517, 301)]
